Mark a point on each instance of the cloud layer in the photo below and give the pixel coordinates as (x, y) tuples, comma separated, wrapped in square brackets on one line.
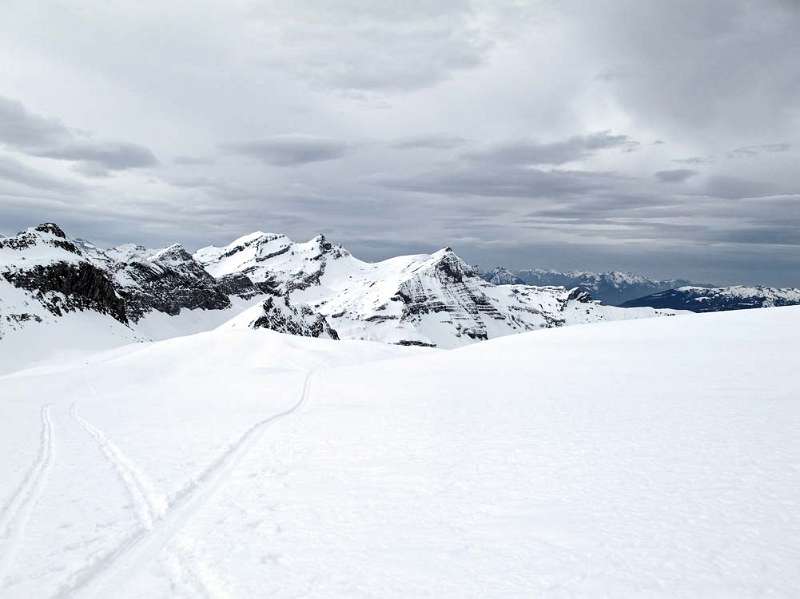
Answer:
[(290, 150), (658, 137), (36, 135)]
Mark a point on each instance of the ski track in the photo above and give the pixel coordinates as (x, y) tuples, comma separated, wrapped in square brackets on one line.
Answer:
[(120, 563), (149, 504), (17, 511)]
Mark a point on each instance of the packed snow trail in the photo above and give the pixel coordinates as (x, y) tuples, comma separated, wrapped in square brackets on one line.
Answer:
[(146, 544), (17, 511)]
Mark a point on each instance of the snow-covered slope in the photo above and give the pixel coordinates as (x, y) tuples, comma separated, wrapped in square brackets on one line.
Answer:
[(621, 459), (429, 300), (612, 288), (717, 299)]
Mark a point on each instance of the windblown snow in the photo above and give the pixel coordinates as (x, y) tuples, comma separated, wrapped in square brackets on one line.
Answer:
[(651, 457)]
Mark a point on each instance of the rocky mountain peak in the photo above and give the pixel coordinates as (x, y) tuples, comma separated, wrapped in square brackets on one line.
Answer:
[(51, 228)]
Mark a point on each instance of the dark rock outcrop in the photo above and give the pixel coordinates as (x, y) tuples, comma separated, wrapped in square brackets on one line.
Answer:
[(280, 316), (168, 281), (82, 285)]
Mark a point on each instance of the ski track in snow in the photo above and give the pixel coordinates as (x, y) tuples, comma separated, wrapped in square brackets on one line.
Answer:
[(17, 512), (149, 504), (124, 559)]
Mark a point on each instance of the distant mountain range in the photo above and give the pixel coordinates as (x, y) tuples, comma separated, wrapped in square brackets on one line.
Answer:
[(717, 299), (612, 288)]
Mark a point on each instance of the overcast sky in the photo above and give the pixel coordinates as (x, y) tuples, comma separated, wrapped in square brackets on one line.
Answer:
[(656, 136)]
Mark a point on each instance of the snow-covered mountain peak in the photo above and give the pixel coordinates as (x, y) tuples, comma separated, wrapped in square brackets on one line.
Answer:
[(41, 245), (174, 254), (52, 229), (266, 257)]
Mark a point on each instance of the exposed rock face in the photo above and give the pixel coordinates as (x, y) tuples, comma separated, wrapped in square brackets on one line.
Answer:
[(719, 299), (61, 275), (241, 286), (279, 315), (54, 275), (76, 286), (167, 280), (51, 228)]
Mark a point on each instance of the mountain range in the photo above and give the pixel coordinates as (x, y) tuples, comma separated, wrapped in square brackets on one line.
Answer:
[(718, 299), (613, 288), (315, 288)]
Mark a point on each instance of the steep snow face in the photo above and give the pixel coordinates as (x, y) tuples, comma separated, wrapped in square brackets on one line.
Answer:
[(612, 288), (426, 300), (718, 299), (651, 458)]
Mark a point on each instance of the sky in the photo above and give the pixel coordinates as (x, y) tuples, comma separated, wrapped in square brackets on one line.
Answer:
[(641, 135)]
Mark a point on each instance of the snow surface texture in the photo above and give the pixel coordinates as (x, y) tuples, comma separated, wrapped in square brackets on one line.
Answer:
[(427, 299), (654, 457)]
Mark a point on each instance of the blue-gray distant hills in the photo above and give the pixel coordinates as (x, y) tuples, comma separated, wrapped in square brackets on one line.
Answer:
[(611, 288), (718, 299)]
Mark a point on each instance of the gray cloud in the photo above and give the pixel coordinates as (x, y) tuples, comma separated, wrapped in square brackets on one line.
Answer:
[(678, 175), (724, 186), (15, 172), (291, 150), (699, 67), (574, 148), (694, 160), (433, 142), (373, 47), (751, 151), (22, 129), (193, 160), (501, 182), (48, 138), (110, 155), (476, 114)]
